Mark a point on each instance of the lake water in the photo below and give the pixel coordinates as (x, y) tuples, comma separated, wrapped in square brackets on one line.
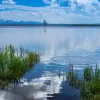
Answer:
[(58, 47)]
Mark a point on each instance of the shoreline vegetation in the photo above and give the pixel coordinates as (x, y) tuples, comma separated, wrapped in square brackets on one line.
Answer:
[(88, 85), (42, 24), (14, 63)]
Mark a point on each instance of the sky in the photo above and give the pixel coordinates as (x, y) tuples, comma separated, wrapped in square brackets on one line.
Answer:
[(63, 11), (39, 3)]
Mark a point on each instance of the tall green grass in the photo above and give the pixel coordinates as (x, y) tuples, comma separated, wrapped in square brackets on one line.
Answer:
[(15, 63), (89, 84)]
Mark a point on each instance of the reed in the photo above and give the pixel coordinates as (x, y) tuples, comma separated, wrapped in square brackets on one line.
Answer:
[(15, 63), (89, 85), (87, 74)]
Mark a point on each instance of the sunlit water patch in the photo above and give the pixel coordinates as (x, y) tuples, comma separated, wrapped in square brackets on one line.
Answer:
[(58, 47)]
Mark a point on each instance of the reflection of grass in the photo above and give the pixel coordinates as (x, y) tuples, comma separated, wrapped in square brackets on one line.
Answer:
[(89, 85), (14, 64), (87, 74)]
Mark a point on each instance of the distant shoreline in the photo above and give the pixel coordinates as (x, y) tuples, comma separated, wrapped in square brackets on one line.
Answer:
[(50, 25)]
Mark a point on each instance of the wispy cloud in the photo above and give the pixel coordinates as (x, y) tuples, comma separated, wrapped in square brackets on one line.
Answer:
[(8, 2)]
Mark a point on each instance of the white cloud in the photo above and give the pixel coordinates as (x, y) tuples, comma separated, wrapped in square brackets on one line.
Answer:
[(91, 4), (46, 1), (85, 3), (8, 2), (67, 15)]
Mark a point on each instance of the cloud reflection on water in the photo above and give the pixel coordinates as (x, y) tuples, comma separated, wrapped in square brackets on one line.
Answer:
[(52, 42), (36, 89), (39, 88)]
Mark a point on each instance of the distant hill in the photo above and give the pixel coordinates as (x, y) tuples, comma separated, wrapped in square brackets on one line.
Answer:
[(10, 22), (35, 23)]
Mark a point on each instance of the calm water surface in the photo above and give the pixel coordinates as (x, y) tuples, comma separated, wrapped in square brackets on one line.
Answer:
[(58, 47)]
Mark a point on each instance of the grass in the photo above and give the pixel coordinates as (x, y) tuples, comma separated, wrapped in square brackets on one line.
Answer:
[(89, 84), (15, 63)]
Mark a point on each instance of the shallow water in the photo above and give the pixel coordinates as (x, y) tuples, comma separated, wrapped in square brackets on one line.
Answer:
[(58, 47)]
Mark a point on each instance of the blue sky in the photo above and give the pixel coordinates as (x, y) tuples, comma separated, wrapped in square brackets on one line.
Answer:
[(33, 3), (41, 3), (36, 3)]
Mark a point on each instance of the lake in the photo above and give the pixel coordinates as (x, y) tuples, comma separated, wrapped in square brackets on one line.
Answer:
[(58, 47)]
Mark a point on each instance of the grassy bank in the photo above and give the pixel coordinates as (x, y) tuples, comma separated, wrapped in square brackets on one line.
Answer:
[(14, 63), (88, 84)]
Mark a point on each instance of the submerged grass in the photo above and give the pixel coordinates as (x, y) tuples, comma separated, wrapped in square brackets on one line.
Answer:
[(89, 84), (14, 64)]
